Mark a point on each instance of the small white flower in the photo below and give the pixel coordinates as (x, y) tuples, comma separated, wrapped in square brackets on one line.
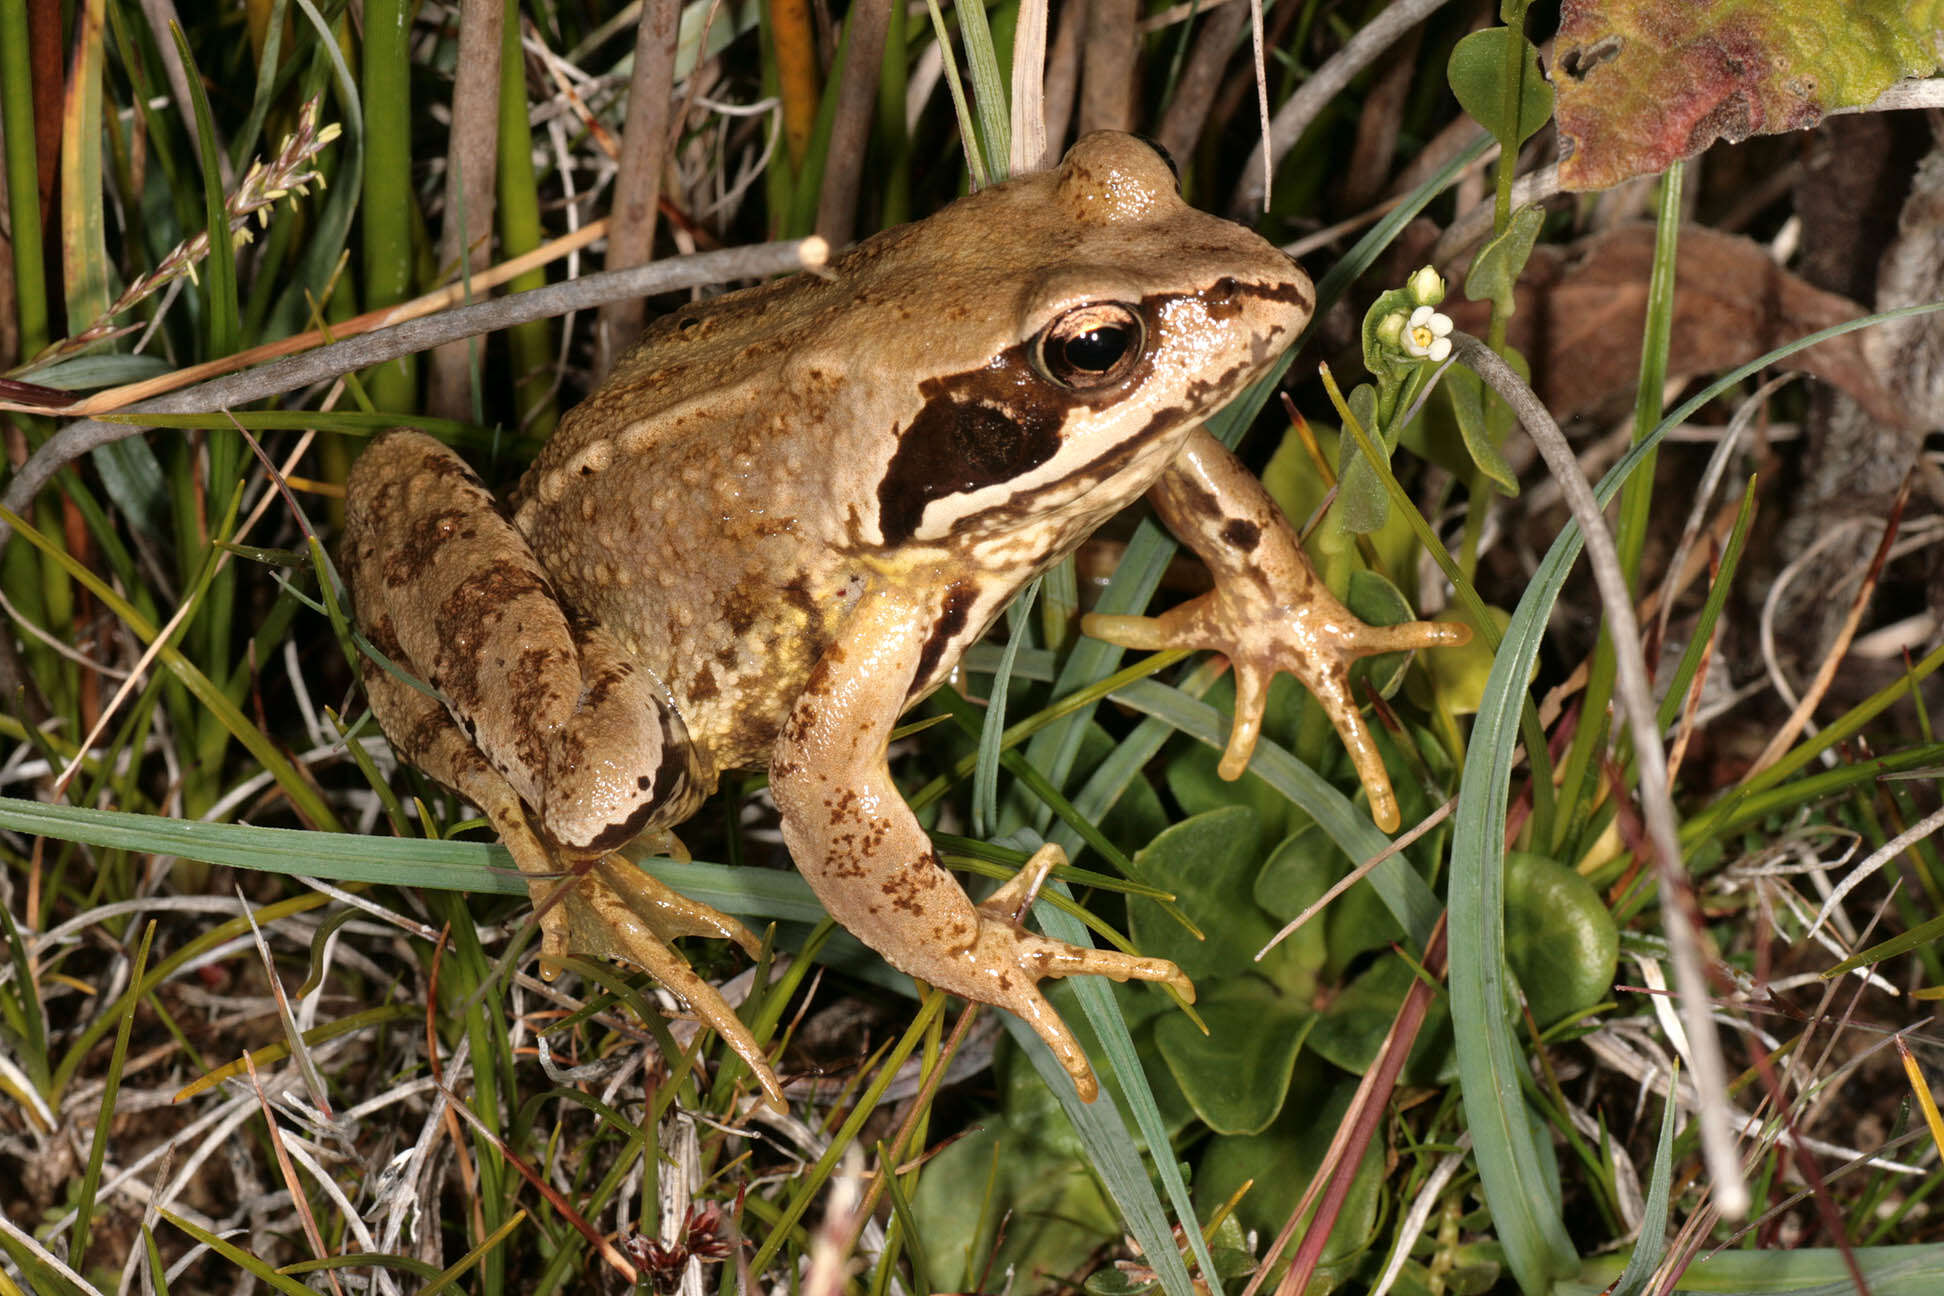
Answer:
[(1425, 335)]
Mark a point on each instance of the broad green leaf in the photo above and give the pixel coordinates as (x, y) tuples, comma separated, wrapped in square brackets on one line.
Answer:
[(1237, 1075), (1209, 863), (1352, 1029), (1644, 83), (1118, 1282), (1299, 871), (1559, 937), (1285, 1157), (1292, 480), (1464, 396), (1380, 603), (1194, 777), (1362, 506), (1808, 1271), (1495, 270), (1477, 75), (1461, 672)]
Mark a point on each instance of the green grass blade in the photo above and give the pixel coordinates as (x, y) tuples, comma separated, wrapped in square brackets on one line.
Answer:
[(387, 210), (1710, 610), (84, 246), (1579, 776), (23, 182), (347, 857), (43, 1270), (236, 1255), (1652, 1244), (111, 1088), (223, 313), (989, 88), (1111, 1150), (326, 239), (992, 732), (303, 795)]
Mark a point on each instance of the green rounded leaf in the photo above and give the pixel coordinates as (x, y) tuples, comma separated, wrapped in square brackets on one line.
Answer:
[(1464, 397), (1301, 868), (1057, 1213), (1285, 1157), (1496, 269), (1559, 937), (1352, 1029), (1237, 1075), (1460, 673), (1362, 506), (1209, 863), (1477, 75)]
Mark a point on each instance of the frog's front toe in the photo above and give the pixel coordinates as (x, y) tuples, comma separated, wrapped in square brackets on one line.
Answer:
[(1316, 640)]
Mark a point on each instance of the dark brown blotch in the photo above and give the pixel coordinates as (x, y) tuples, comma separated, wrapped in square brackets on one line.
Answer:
[(977, 429), (952, 616), (1241, 534)]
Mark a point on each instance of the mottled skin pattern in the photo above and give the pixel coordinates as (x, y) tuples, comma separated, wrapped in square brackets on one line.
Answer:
[(782, 519)]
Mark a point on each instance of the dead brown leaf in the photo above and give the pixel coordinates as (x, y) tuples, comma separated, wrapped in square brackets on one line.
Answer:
[(1581, 309)]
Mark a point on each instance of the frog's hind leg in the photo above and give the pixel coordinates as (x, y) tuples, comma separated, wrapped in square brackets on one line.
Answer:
[(863, 853), (1267, 612), (581, 734), (616, 910)]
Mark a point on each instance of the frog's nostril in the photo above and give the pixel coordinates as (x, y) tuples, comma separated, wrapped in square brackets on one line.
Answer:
[(1226, 288)]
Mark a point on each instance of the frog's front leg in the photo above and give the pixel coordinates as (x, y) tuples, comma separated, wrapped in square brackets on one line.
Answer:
[(863, 853), (1268, 611)]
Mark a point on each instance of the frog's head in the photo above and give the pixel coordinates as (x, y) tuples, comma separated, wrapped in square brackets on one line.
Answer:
[(1096, 318)]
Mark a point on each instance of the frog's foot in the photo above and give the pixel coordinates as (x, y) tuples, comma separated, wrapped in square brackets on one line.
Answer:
[(611, 908), (666, 911), (1002, 948), (1317, 640), (618, 911)]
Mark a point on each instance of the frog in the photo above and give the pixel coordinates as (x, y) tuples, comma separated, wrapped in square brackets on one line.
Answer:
[(784, 516)]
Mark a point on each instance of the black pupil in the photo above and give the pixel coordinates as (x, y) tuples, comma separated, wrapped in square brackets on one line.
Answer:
[(1097, 349)]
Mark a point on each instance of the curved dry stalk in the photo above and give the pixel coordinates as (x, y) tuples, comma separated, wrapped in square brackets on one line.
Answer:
[(1637, 700), (77, 439), (636, 199), (1474, 226)]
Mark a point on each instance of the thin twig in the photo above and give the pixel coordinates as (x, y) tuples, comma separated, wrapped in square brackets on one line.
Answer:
[(1358, 874), (1637, 700), (1301, 108), (1902, 95), (1812, 695), (638, 172), (77, 439)]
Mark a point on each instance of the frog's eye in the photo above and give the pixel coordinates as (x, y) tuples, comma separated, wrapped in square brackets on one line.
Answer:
[(1090, 346)]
